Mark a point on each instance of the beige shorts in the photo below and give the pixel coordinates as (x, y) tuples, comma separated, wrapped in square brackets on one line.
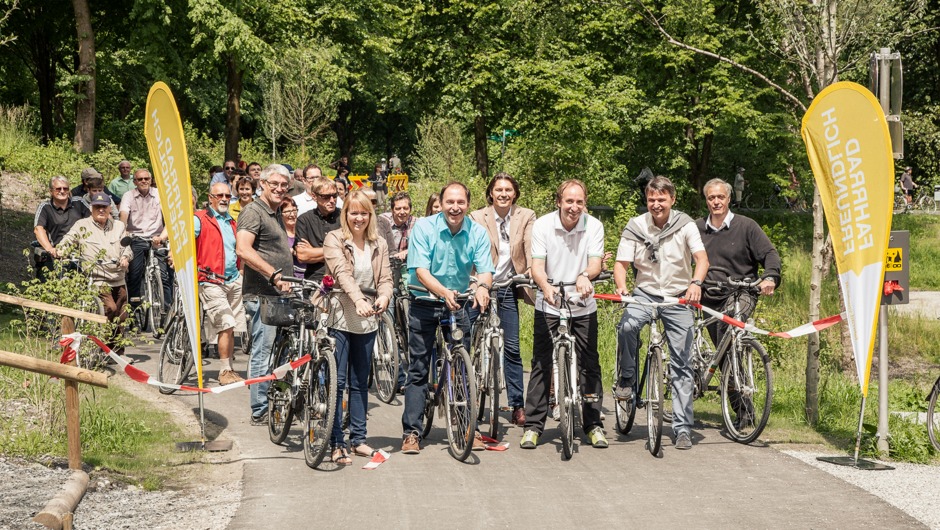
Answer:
[(223, 307)]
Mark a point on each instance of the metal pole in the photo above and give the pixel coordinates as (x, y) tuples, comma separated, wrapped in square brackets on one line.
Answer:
[(858, 435), (884, 78), (883, 381), (202, 419)]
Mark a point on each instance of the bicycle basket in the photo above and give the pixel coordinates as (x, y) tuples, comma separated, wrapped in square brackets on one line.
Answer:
[(277, 311)]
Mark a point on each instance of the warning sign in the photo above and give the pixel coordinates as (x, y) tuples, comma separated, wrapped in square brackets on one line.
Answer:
[(893, 260)]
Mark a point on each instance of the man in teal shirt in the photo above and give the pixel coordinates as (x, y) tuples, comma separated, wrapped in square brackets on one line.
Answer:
[(220, 284), (123, 183), (443, 249)]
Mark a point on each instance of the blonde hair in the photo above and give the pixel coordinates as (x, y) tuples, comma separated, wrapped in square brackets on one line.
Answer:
[(360, 199)]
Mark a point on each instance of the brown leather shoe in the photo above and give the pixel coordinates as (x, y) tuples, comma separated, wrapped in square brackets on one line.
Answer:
[(478, 444), (518, 416), (410, 445)]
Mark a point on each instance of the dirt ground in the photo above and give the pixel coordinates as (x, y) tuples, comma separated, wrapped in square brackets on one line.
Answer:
[(18, 201)]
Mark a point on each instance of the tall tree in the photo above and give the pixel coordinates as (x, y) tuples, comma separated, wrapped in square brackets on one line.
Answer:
[(84, 140)]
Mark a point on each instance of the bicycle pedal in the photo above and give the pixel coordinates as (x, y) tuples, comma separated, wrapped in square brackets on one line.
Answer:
[(590, 398)]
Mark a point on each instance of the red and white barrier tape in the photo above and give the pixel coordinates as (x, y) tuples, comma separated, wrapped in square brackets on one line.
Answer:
[(798, 331), (378, 459), (73, 341), (494, 445)]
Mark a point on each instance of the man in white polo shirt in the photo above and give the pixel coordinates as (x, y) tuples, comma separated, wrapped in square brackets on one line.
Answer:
[(660, 245), (567, 246)]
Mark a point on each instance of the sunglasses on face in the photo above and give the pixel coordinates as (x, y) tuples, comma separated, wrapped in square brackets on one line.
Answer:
[(222, 195), (326, 196), (60, 189), (229, 168), (147, 179)]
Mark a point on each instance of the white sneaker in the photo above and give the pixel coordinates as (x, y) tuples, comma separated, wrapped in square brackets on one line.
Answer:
[(556, 413)]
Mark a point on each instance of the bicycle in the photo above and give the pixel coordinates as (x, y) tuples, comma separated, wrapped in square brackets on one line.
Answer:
[(933, 430), (924, 200), (649, 388), (311, 388), (385, 357), (488, 360), (451, 383), (565, 370), (400, 306), (176, 356), (746, 385), (149, 313)]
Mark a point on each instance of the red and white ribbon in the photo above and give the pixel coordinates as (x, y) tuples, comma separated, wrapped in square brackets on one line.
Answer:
[(494, 445), (798, 331), (378, 459), (72, 341)]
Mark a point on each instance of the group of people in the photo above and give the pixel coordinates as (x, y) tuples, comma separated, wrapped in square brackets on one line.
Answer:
[(253, 233)]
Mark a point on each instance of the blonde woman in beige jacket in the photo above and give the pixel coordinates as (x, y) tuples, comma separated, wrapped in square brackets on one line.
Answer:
[(358, 259)]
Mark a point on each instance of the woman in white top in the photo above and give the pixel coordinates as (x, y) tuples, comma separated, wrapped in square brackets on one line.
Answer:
[(358, 259)]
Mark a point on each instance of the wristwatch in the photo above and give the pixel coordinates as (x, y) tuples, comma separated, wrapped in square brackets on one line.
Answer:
[(697, 282), (585, 274)]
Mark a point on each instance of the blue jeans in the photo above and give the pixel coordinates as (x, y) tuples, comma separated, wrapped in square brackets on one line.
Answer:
[(677, 323), (353, 362), (259, 362), (508, 310), (423, 321)]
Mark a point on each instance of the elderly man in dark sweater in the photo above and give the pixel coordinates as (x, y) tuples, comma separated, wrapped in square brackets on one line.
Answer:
[(738, 245)]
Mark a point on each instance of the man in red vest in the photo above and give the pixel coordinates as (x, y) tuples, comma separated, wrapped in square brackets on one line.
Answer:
[(220, 283)]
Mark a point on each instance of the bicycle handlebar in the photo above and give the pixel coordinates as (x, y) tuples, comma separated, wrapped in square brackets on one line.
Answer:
[(721, 286), (461, 296)]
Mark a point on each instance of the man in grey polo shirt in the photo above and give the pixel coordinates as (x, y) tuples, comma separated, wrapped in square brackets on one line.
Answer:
[(261, 243), (660, 245)]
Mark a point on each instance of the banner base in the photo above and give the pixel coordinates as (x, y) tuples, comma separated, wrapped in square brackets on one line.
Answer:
[(215, 446), (861, 463)]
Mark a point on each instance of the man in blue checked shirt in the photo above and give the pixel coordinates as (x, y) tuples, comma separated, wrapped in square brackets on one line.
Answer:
[(443, 249)]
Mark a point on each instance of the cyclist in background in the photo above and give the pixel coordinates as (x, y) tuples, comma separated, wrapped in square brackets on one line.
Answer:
[(660, 245), (220, 283), (567, 246), (54, 218), (444, 248), (908, 185), (737, 244), (510, 230)]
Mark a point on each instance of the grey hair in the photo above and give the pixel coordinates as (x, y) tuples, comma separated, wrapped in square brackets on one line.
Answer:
[(660, 183), (58, 177), (128, 162), (272, 169), (716, 182)]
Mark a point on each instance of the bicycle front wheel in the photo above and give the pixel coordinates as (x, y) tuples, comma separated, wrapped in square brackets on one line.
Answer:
[(459, 403), (175, 355), (654, 399), (319, 409), (89, 356), (624, 411), (565, 399), (746, 391), (281, 394), (932, 427), (385, 360)]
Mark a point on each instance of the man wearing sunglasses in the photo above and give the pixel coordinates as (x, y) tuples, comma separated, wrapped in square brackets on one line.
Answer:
[(314, 225), (140, 211), (227, 175), (54, 218), (220, 284)]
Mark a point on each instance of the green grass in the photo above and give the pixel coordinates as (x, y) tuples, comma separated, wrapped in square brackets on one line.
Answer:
[(120, 432)]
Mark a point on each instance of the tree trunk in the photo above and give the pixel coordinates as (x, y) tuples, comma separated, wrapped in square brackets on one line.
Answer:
[(85, 107), (233, 111), (479, 144), (815, 296), (44, 71), (343, 127)]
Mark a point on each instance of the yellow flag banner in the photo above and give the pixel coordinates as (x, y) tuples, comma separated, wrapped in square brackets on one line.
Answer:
[(164, 131), (849, 149)]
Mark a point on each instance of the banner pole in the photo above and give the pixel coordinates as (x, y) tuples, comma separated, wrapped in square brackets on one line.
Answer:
[(858, 434), (883, 381), (202, 421)]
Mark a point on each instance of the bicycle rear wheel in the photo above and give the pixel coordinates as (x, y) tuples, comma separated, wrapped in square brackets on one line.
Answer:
[(933, 430), (746, 391), (175, 355), (654, 399), (565, 399), (385, 360), (926, 203), (89, 356), (459, 402), (281, 394), (624, 411), (319, 408)]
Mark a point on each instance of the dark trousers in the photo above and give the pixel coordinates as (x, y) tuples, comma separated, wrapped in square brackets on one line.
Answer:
[(423, 321), (508, 309), (584, 330), (135, 274)]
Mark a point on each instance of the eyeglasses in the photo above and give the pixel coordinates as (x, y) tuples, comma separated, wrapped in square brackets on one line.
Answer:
[(326, 196), (221, 195), (60, 189), (289, 212), (278, 185), (145, 179), (229, 168)]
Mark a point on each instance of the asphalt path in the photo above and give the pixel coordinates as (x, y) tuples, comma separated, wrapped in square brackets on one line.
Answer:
[(718, 483)]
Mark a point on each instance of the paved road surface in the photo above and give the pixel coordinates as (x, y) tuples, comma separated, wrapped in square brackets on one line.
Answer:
[(718, 484)]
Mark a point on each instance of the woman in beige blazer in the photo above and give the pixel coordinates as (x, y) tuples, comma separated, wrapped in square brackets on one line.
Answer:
[(510, 229)]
